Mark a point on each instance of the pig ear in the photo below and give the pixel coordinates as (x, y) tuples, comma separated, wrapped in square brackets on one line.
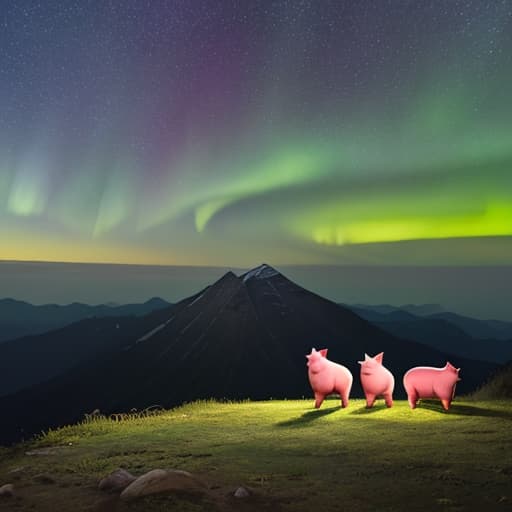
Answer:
[(361, 362), (379, 357), (323, 352), (366, 357)]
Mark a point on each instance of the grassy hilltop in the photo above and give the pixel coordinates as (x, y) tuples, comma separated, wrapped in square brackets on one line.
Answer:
[(290, 456)]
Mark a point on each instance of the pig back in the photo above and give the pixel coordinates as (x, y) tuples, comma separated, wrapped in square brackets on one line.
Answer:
[(430, 382), (380, 380), (332, 377)]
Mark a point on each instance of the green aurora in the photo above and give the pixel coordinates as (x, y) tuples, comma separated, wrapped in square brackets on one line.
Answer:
[(325, 136)]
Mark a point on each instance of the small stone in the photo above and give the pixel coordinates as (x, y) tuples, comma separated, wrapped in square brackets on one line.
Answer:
[(241, 492), (7, 491), (117, 481), (159, 481)]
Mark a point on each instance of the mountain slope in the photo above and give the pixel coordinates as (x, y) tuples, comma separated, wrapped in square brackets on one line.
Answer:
[(413, 309), (498, 387), (482, 329), (242, 337)]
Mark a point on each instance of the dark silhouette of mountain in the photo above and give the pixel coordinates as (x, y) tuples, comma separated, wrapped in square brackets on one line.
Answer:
[(19, 318), (413, 309), (478, 329), (422, 309), (384, 315), (34, 359), (242, 337), (448, 338), (439, 333), (481, 329)]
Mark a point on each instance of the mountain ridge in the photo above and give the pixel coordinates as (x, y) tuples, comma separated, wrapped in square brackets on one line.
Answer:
[(20, 318), (241, 337)]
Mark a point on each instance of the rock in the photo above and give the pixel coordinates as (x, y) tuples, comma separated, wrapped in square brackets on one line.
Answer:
[(7, 491), (158, 481), (241, 492), (117, 481), (17, 473)]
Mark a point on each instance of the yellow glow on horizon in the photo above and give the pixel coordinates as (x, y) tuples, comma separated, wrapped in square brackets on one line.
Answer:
[(24, 248)]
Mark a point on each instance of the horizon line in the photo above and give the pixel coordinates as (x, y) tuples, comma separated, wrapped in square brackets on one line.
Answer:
[(243, 267)]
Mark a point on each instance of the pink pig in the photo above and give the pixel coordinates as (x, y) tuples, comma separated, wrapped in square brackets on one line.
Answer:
[(376, 380), (327, 377), (428, 382)]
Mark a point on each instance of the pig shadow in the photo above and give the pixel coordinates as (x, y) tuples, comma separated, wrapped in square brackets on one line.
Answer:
[(308, 417), (464, 410), (364, 410)]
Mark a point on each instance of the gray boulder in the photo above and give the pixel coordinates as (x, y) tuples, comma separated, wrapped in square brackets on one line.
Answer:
[(116, 481), (241, 492), (7, 491), (160, 481)]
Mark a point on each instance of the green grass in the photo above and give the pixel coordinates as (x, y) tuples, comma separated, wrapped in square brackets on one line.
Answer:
[(292, 456)]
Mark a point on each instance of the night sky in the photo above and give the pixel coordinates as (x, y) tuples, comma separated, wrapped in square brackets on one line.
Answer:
[(233, 132)]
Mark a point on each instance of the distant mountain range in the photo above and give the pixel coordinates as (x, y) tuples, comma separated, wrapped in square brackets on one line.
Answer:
[(413, 309), (18, 318), (478, 329), (241, 337), (486, 340)]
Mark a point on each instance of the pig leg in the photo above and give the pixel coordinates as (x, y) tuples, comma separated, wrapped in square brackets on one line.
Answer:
[(413, 398), (370, 400), (319, 398), (344, 398), (388, 398), (446, 403)]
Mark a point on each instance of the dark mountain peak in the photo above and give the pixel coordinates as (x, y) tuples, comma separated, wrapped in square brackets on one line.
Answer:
[(156, 301), (229, 281), (228, 277), (263, 271), (423, 309)]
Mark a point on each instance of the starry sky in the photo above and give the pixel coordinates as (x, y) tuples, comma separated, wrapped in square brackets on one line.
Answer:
[(216, 132)]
